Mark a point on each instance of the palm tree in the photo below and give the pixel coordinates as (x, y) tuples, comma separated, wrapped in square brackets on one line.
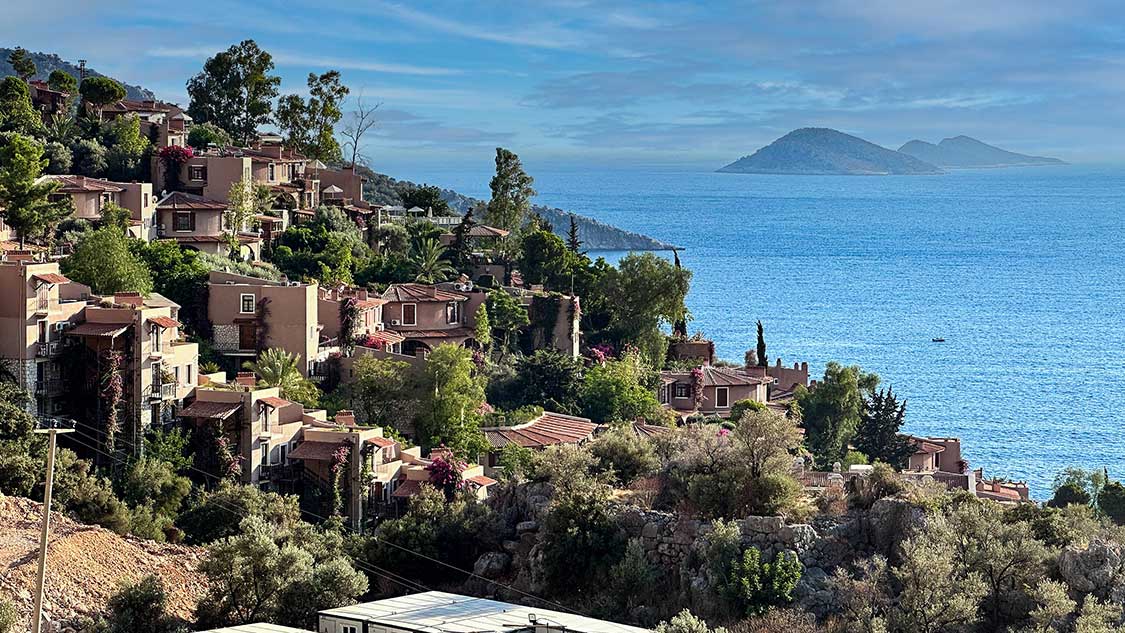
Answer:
[(428, 259), (276, 367)]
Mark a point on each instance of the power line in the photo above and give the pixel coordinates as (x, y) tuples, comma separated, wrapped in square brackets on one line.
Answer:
[(428, 558), (237, 511)]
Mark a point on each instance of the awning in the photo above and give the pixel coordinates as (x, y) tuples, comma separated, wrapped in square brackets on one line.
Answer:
[(51, 278), (99, 329), (481, 480), (407, 489), (275, 403), (210, 410), (165, 322), (318, 451)]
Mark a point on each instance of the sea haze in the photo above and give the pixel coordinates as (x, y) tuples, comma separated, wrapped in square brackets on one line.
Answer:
[(1022, 271)]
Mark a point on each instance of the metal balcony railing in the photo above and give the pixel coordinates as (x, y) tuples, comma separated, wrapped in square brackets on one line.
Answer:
[(45, 350)]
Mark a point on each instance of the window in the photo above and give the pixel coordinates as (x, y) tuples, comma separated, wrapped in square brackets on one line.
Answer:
[(146, 201), (246, 304), (453, 312), (273, 172), (190, 370), (347, 628), (183, 221), (410, 314), (722, 397), (265, 452), (284, 451), (682, 390), (157, 375), (155, 335), (44, 332), (197, 172)]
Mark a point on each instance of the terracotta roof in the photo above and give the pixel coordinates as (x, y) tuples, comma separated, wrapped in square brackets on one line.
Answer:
[(318, 451), (83, 184), (51, 278), (368, 304), (381, 442), (418, 293), (180, 201), (718, 377), (481, 480), (649, 430), (482, 230), (276, 403), (408, 488), (99, 329), (546, 430), (210, 410), (165, 322)]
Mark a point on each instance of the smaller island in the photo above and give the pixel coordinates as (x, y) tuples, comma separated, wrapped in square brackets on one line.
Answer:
[(824, 151), (965, 152)]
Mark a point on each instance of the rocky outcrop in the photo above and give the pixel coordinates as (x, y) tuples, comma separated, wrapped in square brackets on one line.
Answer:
[(1098, 569)]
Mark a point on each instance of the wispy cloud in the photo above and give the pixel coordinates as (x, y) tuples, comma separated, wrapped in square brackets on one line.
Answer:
[(541, 35)]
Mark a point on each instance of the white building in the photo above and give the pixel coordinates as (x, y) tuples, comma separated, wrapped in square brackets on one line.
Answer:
[(440, 612), (257, 628)]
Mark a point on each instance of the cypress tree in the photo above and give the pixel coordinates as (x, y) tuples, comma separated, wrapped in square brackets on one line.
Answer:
[(763, 360), (878, 433), (573, 244)]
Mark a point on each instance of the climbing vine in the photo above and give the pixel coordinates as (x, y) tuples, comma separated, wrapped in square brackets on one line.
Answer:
[(113, 387), (339, 465), (349, 319), (697, 386), (445, 475), (230, 463), (262, 312)]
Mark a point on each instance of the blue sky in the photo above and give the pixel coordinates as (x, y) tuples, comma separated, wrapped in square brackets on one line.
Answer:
[(569, 82)]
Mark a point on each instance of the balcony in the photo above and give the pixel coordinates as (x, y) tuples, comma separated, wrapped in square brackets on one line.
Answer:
[(164, 391), (46, 350), (42, 305), (49, 387)]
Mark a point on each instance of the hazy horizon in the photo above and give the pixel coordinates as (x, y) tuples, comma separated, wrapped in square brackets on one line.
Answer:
[(570, 82)]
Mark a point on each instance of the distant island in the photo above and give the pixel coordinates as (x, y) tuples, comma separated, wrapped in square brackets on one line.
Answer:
[(814, 151), (967, 152)]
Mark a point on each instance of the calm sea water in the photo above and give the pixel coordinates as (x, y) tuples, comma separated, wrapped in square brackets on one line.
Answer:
[(1022, 271)]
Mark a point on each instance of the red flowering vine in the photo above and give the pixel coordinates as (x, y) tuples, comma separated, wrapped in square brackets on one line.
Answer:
[(173, 158)]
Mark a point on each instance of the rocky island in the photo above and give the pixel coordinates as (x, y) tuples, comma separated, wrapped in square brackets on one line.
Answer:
[(814, 151), (963, 152)]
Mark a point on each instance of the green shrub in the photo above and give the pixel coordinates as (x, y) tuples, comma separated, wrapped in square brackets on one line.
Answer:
[(8, 616), (756, 586), (625, 454), (774, 494)]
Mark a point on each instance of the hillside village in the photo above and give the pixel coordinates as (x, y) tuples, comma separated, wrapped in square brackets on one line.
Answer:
[(353, 405)]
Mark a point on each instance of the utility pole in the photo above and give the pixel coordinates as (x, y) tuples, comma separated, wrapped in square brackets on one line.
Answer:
[(50, 427), (81, 70)]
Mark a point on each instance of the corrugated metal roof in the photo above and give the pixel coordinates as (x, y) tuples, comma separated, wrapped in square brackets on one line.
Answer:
[(257, 628), (438, 611)]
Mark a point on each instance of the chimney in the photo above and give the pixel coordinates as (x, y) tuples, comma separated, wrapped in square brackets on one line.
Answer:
[(246, 379), (345, 417)]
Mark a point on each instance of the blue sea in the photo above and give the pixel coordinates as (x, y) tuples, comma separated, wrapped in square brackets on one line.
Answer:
[(1021, 271)]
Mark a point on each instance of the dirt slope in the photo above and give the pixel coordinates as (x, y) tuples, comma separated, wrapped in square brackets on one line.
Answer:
[(86, 564)]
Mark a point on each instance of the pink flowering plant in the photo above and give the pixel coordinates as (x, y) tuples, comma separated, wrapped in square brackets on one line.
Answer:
[(445, 475), (339, 466)]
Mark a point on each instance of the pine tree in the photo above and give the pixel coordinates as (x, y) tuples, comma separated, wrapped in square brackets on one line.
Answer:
[(28, 211), (573, 244), (878, 433), (22, 64), (763, 360)]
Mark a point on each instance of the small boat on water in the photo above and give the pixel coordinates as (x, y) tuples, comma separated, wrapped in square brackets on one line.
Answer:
[(938, 340)]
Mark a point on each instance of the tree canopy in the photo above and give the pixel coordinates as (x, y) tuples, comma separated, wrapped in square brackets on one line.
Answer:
[(309, 125), (235, 90), (26, 208), (103, 260)]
